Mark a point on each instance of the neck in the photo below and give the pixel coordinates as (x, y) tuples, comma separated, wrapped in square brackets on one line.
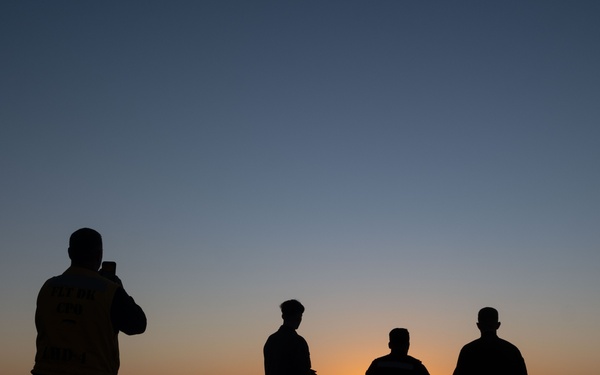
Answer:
[(488, 333), (89, 266)]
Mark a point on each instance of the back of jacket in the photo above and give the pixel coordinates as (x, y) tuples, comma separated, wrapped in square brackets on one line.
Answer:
[(73, 321), (286, 353), (392, 364), (490, 355)]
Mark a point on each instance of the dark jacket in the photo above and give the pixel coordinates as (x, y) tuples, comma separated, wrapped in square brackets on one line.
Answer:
[(286, 353), (395, 364), (490, 355), (78, 317)]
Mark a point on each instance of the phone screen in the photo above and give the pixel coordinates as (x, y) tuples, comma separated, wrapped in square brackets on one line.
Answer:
[(109, 268)]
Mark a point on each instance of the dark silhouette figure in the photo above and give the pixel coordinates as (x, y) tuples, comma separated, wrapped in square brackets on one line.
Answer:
[(286, 352), (80, 313), (398, 362), (489, 354)]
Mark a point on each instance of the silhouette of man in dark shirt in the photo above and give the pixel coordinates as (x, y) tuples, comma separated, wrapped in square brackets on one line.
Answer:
[(398, 362), (80, 313), (489, 354), (286, 352)]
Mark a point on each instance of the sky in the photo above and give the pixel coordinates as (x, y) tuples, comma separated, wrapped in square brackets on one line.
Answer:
[(387, 163)]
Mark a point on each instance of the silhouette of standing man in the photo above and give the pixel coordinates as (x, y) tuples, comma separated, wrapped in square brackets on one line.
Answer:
[(286, 352), (80, 313), (489, 354), (398, 362)]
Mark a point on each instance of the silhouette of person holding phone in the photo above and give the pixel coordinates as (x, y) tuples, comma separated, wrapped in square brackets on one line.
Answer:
[(286, 352), (80, 313), (490, 354), (398, 362)]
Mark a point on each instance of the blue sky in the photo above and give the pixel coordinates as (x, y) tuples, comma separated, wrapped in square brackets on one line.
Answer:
[(406, 162)]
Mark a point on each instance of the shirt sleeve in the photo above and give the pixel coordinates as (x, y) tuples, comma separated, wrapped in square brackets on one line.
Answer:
[(126, 315)]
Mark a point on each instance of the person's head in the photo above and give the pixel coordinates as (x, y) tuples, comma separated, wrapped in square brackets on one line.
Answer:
[(487, 320), (291, 313), (85, 248), (399, 341)]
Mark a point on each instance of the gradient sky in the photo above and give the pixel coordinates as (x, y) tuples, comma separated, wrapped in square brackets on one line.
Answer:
[(388, 163)]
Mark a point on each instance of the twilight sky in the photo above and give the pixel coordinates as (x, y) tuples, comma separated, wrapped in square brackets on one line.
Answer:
[(388, 163)]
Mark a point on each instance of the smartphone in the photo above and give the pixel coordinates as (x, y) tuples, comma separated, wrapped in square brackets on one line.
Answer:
[(109, 268)]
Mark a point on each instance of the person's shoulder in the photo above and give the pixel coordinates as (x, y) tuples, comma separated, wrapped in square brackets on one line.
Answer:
[(52, 279), (49, 283), (473, 343), (395, 358), (57, 279), (272, 336), (507, 344), (275, 335), (376, 363), (413, 360), (392, 361), (472, 346), (386, 357)]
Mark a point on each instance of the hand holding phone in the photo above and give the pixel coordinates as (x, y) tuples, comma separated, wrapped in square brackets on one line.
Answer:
[(109, 271), (109, 268)]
